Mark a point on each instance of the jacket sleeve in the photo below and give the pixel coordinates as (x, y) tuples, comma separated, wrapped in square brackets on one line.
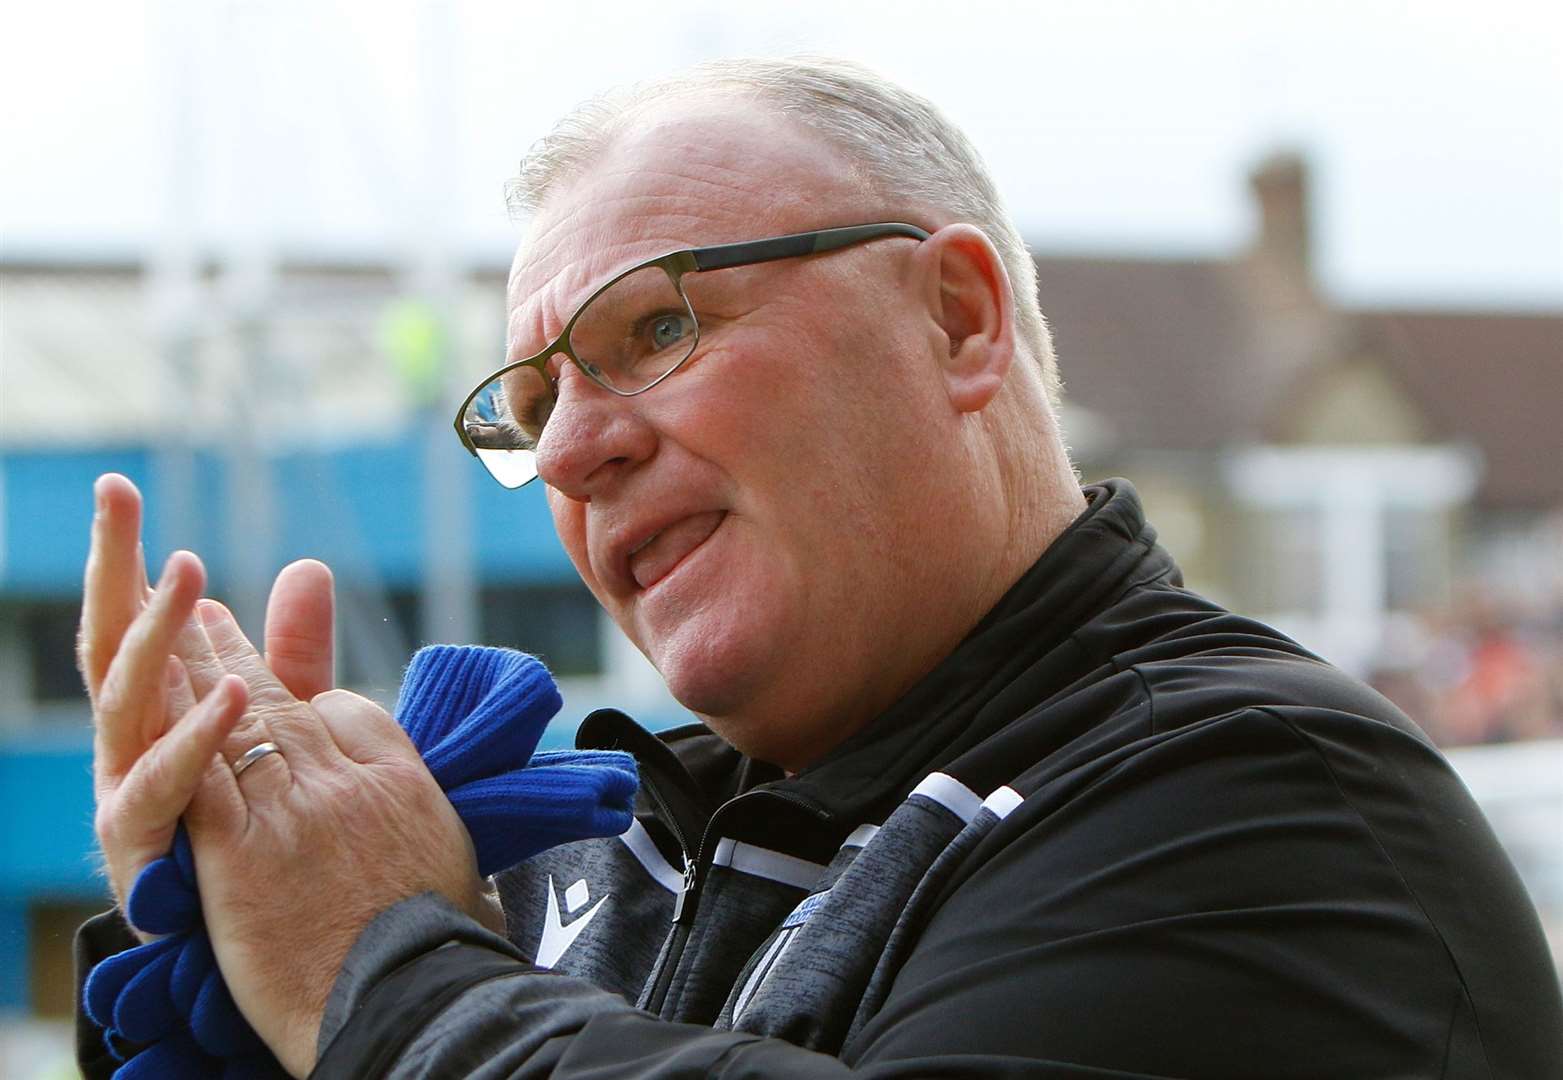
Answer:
[(426, 991), (97, 939), (1215, 905)]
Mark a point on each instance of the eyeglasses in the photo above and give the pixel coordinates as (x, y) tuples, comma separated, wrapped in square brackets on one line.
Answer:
[(628, 336)]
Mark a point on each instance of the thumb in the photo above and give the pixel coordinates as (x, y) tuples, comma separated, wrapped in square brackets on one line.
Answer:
[(299, 618), (362, 730)]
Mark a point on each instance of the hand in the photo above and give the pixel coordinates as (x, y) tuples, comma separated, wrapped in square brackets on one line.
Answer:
[(298, 854), (142, 780), (123, 648)]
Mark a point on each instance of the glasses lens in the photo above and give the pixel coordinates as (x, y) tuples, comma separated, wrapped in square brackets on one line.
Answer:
[(635, 331), (504, 420)]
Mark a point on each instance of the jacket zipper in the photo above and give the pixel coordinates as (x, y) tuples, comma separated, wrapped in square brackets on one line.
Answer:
[(684, 891), (685, 903), (678, 933)]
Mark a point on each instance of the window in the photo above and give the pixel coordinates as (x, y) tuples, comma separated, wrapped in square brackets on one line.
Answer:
[(39, 640), (377, 631), (558, 623)]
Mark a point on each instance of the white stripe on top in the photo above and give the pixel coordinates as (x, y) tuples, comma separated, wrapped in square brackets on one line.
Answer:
[(1003, 800), (639, 841), (763, 862), (951, 794), (860, 836)]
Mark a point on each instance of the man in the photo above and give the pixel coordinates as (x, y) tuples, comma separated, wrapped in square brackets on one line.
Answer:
[(980, 790)]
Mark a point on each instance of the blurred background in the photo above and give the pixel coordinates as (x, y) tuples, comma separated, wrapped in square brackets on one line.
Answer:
[(1303, 262)]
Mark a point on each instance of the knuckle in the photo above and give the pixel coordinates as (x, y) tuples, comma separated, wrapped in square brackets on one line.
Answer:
[(337, 698), (266, 711), (154, 772), (111, 691), (296, 644), (105, 825)]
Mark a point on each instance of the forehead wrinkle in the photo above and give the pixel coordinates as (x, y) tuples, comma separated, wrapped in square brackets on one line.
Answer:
[(649, 230), (543, 254), (536, 314), (545, 310), (536, 249)]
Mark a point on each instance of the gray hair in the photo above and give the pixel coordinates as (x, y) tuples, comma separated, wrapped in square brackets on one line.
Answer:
[(903, 147)]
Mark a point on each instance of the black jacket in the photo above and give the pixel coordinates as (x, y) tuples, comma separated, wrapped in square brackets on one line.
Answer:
[(1119, 832)]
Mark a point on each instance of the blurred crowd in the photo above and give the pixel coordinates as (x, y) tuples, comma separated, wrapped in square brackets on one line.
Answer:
[(1482, 670)]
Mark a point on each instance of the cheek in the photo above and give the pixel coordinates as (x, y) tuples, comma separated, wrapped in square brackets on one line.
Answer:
[(813, 430), (765, 399), (570, 524)]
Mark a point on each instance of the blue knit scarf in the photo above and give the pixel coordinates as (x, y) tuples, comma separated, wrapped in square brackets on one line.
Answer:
[(475, 714)]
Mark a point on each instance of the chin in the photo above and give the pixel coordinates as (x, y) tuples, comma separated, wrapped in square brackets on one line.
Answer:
[(722, 673), (724, 629), (763, 709), (712, 676)]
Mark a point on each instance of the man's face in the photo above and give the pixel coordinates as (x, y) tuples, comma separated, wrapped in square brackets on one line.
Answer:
[(756, 524)]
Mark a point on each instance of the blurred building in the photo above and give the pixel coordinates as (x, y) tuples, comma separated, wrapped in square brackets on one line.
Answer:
[(1384, 485), (1338, 472)]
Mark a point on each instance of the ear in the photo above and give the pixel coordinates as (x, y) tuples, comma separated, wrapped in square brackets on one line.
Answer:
[(970, 298)]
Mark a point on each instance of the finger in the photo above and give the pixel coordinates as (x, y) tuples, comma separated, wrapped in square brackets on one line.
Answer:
[(299, 628), (130, 712), (113, 591), (164, 779), (181, 695), (274, 713), (205, 668), (217, 808), (238, 656), (194, 649)]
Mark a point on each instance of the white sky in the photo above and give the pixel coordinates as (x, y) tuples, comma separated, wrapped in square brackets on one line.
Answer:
[(1435, 129)]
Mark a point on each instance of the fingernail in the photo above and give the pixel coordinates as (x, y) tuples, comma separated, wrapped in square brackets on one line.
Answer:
[(210, 611)]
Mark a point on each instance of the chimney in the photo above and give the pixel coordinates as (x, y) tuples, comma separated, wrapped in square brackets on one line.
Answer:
[(1282, 249), (1293, 325), (1278, 266), (1280, 186)]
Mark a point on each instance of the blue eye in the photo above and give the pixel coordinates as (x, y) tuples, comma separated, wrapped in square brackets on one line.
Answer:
[(669, 330)]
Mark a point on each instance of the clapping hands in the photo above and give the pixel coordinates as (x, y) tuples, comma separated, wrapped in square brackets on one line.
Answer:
[(300, 852)]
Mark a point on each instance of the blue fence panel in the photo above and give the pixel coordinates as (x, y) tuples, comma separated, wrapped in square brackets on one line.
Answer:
[(46, 844), (360, 508)]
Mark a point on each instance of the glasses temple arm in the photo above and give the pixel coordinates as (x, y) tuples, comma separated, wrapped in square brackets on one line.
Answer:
[(749, 252)]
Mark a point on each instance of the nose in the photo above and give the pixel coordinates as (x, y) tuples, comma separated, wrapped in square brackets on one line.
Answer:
[(592, 439)]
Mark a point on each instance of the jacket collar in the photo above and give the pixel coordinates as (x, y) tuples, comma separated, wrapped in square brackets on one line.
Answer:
[(1106, 550)]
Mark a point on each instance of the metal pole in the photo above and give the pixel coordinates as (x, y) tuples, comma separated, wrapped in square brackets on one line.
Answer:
[(449, 577)]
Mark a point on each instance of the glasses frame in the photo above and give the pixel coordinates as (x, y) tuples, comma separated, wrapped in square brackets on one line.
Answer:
[(676, 264)]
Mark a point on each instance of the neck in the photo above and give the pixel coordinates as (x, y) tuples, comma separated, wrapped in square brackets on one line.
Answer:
[(1037, 487)]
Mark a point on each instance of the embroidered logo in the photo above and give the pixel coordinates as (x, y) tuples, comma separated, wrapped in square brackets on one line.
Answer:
[(777, 946), (557, 937), (801, 913)]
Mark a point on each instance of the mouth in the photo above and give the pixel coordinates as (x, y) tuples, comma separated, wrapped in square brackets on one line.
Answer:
[(655, 557)]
